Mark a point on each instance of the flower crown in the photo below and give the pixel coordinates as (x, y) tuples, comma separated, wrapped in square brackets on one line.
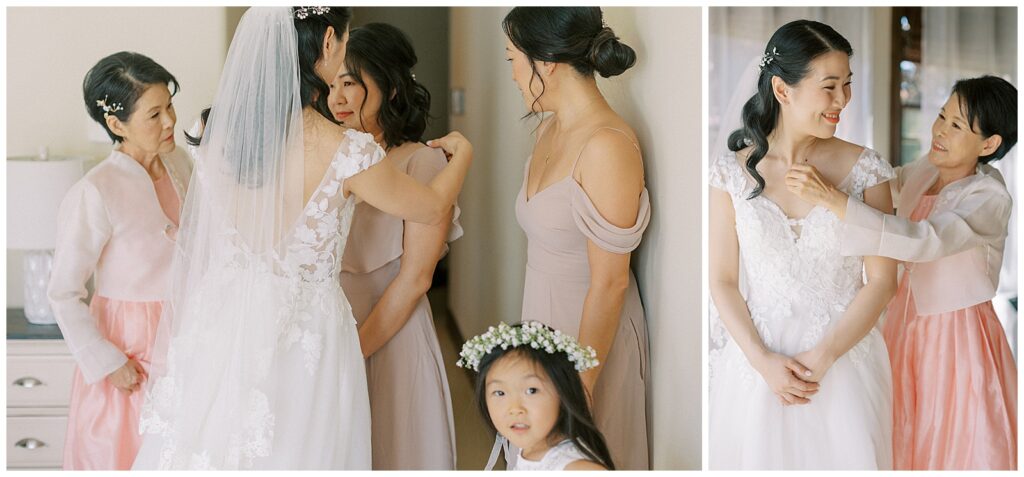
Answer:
[(108, 109), (767, 58), (532, 333), (302, 12)]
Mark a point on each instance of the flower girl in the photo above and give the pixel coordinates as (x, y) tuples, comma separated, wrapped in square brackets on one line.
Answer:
[(528, 390)]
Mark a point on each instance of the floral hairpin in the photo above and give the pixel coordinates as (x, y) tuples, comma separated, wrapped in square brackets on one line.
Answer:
[(530, 333), (108, 109), (302, 12), (768, 57)]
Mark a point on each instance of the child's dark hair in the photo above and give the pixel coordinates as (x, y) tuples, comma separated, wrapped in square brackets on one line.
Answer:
[(788, 55), (386, 55), (577, 36), (309, 31), (989, 103), (121, 79), (575, 421)]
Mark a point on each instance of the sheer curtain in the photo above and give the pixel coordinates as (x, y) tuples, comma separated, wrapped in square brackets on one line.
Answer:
[(737, 41), (964, 42)]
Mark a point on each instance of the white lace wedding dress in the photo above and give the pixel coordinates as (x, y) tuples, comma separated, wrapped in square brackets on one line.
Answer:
[(292, 395), (797, 285)]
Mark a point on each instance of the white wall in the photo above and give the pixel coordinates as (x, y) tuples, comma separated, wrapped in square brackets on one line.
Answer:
[(49, 50), (661, 98), (488, 264)]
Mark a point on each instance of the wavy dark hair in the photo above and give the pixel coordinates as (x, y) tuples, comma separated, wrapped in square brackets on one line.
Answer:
[(575, 420), (792, 49), (310, 31), (576, 36), (121, 79), (990, 104), (385, 54)]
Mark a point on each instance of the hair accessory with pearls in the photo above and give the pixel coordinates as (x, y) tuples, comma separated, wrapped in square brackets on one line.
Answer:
[(108, 109), (768, 57), (302, 12)]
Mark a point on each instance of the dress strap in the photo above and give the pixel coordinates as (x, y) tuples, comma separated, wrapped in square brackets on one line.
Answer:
[(578, 156), (501, 446)]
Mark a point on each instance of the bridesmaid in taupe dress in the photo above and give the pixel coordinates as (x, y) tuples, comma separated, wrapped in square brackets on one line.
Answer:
[(584, 207), (388, 263)]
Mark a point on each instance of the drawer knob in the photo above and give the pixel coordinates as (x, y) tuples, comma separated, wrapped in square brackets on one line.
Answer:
[(30, 443), (28, 382)]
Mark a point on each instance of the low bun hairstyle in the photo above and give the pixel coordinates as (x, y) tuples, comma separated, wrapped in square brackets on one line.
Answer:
[(121, 79), (385, 54), (609, 56), (576, 36), (788, 55)]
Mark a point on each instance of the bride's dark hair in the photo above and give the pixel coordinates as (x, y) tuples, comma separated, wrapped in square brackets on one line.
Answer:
[(575, 422), (310, 31), (788, 55), (313, 90)]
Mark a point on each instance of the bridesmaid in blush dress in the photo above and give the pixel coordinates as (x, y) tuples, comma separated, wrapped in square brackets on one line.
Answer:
[(584, 208), (954, 377), (389, 263), (118, 224)]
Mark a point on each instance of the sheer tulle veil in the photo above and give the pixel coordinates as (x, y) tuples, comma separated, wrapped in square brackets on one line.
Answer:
[(207, 401)]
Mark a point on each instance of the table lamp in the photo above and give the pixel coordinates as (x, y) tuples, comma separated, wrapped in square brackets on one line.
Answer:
[(35, 189)]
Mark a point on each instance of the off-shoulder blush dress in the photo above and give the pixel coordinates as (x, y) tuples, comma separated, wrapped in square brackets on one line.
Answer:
[(558, 221)]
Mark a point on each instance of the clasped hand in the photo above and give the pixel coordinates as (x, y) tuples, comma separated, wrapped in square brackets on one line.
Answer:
[(794, 379), (129, 377)]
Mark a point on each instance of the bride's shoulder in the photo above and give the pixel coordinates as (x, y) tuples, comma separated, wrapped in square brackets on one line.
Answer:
[(867, 166), (356, 151)]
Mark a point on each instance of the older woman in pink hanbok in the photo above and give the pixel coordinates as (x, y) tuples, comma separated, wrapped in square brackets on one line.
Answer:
[(954, 377), (118, 225)]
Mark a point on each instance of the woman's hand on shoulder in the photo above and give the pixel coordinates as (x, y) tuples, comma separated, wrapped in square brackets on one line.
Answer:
[(452, 143)]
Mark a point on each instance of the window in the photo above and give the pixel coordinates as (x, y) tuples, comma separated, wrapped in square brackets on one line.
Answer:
[(906, 93)]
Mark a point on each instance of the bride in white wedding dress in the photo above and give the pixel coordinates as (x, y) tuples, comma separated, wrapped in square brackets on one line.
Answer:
[(262, 367), (801, 379)]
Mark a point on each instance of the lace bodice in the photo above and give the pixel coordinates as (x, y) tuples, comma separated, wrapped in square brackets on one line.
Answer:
[(249, 312), (792, 267), (314, 253)]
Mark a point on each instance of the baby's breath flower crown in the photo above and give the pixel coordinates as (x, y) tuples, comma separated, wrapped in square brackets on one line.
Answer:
[(530, 333)]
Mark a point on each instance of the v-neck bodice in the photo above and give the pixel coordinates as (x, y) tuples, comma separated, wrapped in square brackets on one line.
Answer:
[(793, 276)]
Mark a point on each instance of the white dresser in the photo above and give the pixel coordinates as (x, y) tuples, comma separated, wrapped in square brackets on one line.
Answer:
[(39, 370)]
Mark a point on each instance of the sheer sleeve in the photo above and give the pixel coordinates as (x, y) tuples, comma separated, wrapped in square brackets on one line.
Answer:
[(82, 232)]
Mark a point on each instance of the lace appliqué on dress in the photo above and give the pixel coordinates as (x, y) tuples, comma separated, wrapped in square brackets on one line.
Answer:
[(309, 269), (797, 284)]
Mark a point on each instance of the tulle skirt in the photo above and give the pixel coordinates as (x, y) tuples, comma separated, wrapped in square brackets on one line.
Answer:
[(103, 421), (954, 388), (846, 426)]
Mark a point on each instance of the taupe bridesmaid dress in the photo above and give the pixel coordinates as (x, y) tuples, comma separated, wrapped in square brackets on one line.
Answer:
[(558, 221), (410, 404)]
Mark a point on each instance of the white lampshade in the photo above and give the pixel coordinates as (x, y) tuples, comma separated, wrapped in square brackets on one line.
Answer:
[(35, 189)]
